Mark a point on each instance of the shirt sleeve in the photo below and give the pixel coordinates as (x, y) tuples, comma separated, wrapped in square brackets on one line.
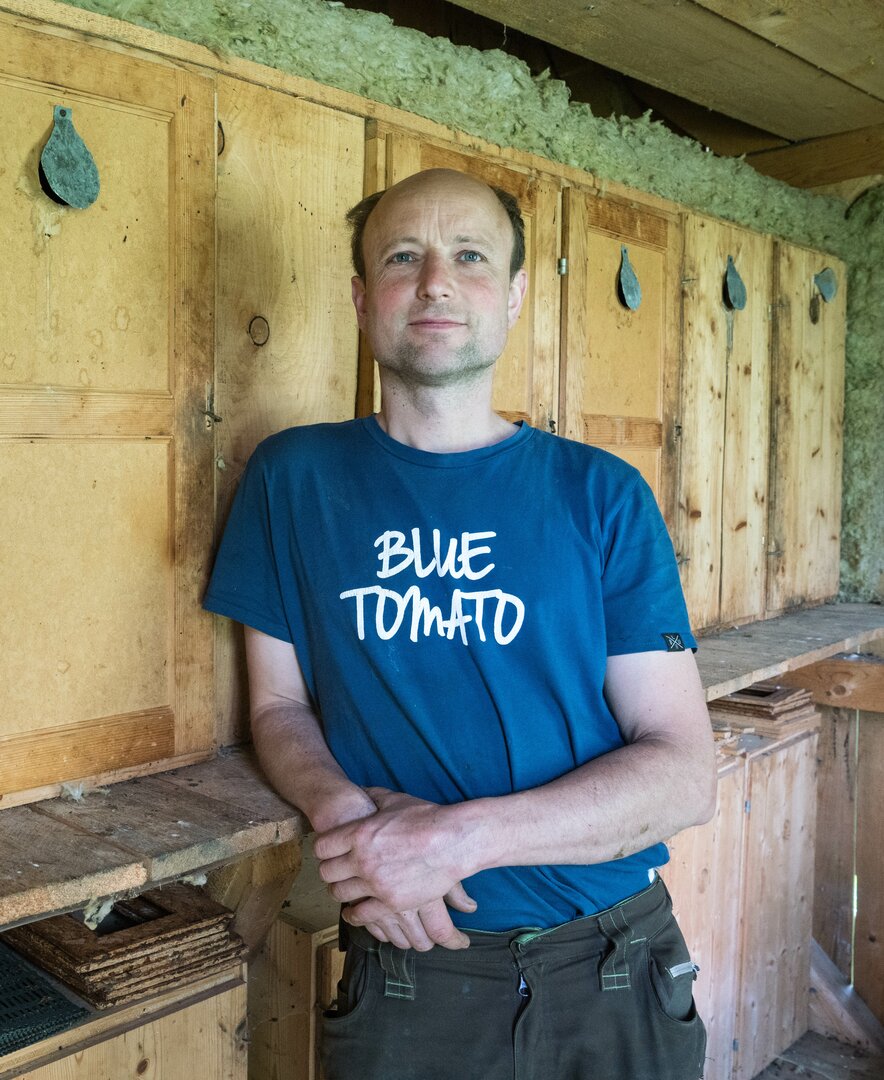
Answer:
[(245, 580), (644, 604)]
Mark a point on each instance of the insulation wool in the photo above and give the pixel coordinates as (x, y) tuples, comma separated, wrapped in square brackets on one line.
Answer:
[(493, 95)]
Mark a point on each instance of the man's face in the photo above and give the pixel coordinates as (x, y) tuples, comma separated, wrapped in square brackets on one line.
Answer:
[(437, 301)]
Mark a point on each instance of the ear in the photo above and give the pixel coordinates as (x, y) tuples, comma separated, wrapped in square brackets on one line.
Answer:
[(518, 288), (357, 291)]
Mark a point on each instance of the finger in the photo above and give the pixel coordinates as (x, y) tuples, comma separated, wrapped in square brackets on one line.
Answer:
[(339, 868), (345, 892), (376, 931), (337, 841), (403, 928), (440, 929), (458, 898)]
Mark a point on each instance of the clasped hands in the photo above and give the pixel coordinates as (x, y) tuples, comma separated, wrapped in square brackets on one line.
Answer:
[(392, 873)]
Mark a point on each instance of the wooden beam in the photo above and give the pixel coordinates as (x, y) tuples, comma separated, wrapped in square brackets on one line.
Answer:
[(846, 682), (824, 161), (697, 54), (844, 39)]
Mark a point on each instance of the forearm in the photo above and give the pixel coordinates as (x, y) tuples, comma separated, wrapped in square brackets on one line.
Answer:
[(298, 763), (617, 804)]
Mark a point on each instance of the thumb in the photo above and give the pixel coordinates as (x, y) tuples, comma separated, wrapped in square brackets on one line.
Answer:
[(458, 898)]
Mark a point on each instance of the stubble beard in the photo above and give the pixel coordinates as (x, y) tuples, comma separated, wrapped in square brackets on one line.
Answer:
[(465, 365)]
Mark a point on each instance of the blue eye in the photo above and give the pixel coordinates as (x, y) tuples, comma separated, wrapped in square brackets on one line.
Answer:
[(471, 256), (401, 257)]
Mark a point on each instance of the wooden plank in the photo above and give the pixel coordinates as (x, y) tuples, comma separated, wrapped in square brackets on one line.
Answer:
[(834, 858), (703, 876), (201, 833), (73, 751), (636, 431), (192, 174), (840, 40), (735, 658), (836, 1009), (696, 54), (806, 438), (846, 682), (235, 779), (201, 1041), (281, 995), (47, 866), (868, 961), (61, 411), (777, 902), (829, 160), (280, 216), (117, 1020)]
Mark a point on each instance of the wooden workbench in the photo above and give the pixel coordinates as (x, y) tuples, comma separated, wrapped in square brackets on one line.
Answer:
[(60, 854)]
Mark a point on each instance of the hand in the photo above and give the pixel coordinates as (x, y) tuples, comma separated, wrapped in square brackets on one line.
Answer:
[(420, 930), (400, 856)]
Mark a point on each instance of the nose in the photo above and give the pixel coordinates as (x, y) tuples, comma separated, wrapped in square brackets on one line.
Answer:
[(435, 282)]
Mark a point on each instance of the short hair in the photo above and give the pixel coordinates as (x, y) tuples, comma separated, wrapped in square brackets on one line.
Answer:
[(358, 216)]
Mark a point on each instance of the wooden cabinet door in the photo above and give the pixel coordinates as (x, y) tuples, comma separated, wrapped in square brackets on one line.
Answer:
[(105, 453), (286, 353), (808, 405), (619, 366), (525, 384), (721, 509), (777, 901)]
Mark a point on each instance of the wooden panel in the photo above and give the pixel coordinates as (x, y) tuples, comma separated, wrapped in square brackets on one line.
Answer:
[(723, 447), (104, 448), (777, 902), (525, 377), (204, 1041), (87, 527), (112, 334), (834, 859), (284, 256), (830, 160), (616, 362), (808, 379), (55, 410), (109, 1022), (51, 755), (868, 963), (847, 682), (703, 876)]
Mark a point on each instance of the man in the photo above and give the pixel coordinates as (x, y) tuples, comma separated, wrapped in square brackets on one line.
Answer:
[(470, 666)]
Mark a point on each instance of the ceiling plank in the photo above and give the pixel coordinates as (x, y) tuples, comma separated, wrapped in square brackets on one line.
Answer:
[(687, 50), (825, 161), (844, 38)]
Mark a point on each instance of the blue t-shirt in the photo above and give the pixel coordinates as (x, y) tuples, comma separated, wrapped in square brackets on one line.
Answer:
[(452, 614)]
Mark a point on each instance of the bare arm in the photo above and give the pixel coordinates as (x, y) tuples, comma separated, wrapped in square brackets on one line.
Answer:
[(298, 763), (661, 781)]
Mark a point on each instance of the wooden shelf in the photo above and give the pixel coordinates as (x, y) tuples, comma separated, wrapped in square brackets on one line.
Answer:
[(59, 855), (735, 658)]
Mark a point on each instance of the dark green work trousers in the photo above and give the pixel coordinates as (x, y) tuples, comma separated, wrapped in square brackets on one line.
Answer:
[(606, 997)]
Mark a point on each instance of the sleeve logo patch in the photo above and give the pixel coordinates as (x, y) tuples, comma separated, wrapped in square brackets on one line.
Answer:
[(673, 643)]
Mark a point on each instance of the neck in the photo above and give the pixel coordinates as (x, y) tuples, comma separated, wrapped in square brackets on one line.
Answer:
[(441, 420)]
